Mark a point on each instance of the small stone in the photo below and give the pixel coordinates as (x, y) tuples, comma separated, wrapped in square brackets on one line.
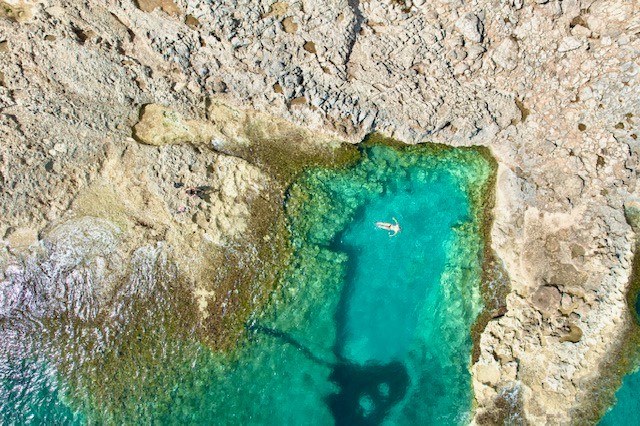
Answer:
[(192, 22), (168, 6), (569, 43), (141, 83), (289, 26), (580, 31), (278, 88), (310, 47), (85, 35), (471, 27), (574, 335), (279, 8), (506, 54), (4, 46), (50, 37), (460, 68), (60, 147), (300, 100), (200, 219)]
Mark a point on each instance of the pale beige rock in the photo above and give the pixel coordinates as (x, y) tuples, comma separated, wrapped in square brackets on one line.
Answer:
[(160, 125), (506, 54), (278, 8), (471, 27), (488, 374), (20, 11), (289, 25), (569, 43), (21, 238), (168, 6)]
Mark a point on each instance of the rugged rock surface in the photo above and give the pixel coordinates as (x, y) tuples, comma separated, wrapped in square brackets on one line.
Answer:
[(550, 86)]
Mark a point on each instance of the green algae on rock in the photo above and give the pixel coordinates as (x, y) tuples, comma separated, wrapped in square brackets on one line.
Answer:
[(616, 400)]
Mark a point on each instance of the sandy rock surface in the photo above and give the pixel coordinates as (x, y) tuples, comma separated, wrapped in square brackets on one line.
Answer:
[(550, 86)]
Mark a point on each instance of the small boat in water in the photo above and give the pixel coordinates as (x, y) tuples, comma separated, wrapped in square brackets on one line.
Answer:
[(393, 228)]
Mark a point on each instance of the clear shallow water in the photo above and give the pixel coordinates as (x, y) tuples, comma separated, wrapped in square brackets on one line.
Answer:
[(366, 329), (626, 410), (30, 394)]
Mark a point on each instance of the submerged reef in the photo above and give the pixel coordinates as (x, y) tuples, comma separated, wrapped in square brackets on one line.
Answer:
[(421, 315)]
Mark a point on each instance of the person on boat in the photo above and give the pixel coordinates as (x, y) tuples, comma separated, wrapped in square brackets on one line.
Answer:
[(393, 228)]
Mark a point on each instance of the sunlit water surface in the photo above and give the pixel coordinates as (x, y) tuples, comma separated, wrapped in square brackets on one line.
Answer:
[(366, 329)]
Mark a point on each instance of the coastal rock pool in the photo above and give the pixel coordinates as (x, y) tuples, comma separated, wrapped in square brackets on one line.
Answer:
[(366, 328)]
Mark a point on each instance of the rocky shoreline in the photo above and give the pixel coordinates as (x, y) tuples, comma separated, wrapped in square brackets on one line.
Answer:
[(550, 87)]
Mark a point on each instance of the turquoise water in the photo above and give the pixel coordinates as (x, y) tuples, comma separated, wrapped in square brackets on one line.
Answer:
[(393, 280), (30, 394), (626, 411), (365, 328)]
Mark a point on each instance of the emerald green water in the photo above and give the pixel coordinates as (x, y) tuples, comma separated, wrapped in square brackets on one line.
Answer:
[(365, 329)]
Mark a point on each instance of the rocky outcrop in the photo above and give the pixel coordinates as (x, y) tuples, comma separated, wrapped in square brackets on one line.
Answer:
[(551, 87)]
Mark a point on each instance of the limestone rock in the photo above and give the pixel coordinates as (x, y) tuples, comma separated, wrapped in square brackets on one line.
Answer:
[(566, 151), (547, 299), (506, 54), (21, 238), (160, 125), (569, 43), (278, 8), (471, 27), (18, 10), (289, 25), (487, 373), (168, 6)]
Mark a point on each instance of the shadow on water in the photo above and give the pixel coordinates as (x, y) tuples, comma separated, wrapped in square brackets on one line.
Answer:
[(341, 314), (367, 392), (286, 338)]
